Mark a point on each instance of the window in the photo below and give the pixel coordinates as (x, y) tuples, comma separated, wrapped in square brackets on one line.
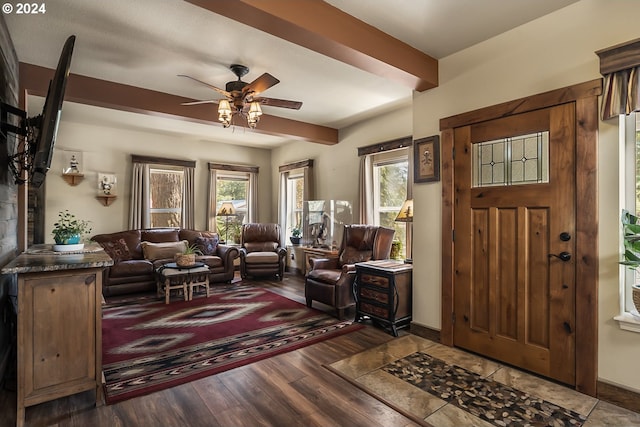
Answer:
[(235, 184), (632, 191), (165, 200), (390, 174), (162, 193), (518, 160), (295, 198), (232, 187), (296, 187)]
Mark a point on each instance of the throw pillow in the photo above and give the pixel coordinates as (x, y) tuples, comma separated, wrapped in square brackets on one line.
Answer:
[(207, 245), (155, 251), (117, 250)]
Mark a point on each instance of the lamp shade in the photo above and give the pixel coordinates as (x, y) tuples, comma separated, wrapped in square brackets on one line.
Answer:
[(226, 209), (406, 212)]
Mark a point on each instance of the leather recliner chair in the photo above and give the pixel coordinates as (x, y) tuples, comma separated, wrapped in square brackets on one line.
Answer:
[(261, 251), (330, 281)]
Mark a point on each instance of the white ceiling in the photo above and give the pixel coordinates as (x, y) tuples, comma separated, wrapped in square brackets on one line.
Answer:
[(147, 43)]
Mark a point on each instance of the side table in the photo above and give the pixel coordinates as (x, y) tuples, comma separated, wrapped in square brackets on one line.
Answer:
[(383, 292), (170, 277)]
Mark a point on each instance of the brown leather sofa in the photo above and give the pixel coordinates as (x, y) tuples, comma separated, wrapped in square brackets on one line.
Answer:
[(133, 272), (330, 281), (261, 251)]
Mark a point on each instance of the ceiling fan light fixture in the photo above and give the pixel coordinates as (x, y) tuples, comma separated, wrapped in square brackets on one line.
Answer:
[(254, 114), (224, 113), (241, 95)]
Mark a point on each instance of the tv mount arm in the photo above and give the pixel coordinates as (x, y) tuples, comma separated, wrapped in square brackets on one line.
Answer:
[(21, 161)]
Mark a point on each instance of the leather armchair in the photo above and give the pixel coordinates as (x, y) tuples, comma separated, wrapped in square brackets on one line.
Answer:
[(261, 251), (330, 281)]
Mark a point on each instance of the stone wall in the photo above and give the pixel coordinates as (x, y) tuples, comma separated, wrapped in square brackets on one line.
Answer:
[(8, 196)]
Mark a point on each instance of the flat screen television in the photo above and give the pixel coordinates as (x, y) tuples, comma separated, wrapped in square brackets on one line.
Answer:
[(46, 124)]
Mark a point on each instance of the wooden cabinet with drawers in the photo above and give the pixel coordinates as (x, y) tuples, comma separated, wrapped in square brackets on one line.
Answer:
[(383, 291)]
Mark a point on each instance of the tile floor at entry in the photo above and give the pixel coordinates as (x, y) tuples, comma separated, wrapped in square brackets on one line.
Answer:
[(366, 370)]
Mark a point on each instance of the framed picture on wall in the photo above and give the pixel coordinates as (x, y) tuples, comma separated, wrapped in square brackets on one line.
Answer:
[(426, 159)]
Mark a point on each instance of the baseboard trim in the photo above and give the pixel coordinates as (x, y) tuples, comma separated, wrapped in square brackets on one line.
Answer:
[(619, 396), (424, 332)]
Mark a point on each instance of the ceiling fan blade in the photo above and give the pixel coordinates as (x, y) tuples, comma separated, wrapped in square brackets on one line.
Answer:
[(217, 89), (283, 103), (210, 101), (260, 84)]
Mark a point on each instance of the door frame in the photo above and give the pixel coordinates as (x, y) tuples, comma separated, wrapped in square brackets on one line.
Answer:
[(585, 98)]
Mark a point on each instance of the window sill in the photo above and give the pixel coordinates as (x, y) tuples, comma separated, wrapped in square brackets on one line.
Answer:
[(629, 321)]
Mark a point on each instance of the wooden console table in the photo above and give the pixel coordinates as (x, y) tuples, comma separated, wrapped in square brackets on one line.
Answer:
[(383, 292), (59, 324)]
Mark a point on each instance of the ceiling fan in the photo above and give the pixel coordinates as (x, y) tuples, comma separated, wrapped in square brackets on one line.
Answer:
[(241, 98)]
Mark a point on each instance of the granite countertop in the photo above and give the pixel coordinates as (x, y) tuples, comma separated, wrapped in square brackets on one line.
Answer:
[(40, 258)]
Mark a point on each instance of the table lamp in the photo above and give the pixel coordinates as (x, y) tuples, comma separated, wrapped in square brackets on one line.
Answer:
[(226, 209)]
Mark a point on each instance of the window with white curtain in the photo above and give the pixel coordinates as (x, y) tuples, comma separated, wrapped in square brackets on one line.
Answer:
[(295, 198), (162, 192), (390, 174), (232, 187), (235, 184), (296, 187)]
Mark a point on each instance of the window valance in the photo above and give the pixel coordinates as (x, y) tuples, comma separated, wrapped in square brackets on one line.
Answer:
[(620, 66), (394, 144)]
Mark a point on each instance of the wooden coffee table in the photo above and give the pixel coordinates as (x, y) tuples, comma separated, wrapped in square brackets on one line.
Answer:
[(170, 276)]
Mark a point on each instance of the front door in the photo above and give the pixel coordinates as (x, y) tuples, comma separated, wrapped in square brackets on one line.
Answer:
[(514, 240)]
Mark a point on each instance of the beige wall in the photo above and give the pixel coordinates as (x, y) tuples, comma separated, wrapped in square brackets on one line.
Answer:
[(552, 52), (109, 149)]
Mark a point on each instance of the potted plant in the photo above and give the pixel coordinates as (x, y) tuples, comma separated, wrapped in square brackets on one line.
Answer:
[(188, 257), (296, 234), (631, 256), (68, 231)]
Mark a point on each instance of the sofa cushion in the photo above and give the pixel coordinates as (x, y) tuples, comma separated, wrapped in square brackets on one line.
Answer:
[(206, 245), (131, 237), (210, 260), (117, 250), (262, 258), (159, 235), (134, 267), (325, 276), (261, 246), (153, 251)]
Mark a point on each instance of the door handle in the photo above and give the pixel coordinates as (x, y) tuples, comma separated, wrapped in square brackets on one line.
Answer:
[(563, 256)]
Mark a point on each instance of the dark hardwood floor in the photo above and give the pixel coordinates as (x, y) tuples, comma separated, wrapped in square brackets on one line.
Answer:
[(291, 389)]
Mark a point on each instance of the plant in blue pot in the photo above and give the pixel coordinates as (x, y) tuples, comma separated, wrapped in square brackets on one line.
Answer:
[(68, 231)]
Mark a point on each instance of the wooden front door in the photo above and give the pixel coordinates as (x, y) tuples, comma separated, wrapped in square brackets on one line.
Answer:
[(514, 240)]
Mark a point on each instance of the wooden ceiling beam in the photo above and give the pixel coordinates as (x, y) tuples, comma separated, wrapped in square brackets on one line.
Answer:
[(34, 80), (325, 29)]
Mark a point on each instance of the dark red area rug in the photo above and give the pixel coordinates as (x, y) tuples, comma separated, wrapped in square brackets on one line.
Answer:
[(150, 346)]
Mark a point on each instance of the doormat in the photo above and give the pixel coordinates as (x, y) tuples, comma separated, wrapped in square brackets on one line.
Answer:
[(433, 384), (153, 346), (489, 400)]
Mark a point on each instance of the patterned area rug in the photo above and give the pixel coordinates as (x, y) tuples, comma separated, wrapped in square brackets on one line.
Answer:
[(150, 346), (492, 401)]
